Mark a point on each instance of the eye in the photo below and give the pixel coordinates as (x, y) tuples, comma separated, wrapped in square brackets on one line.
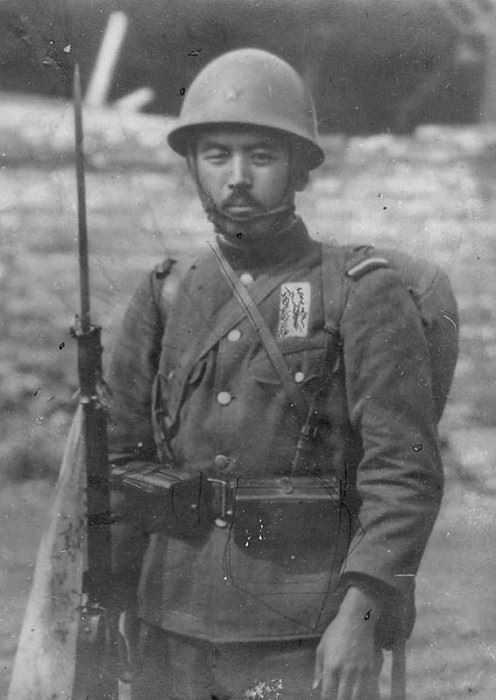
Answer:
[(215, 155), (263, 157)]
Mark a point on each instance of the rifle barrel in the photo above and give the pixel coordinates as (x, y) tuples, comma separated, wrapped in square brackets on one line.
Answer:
[(81, 198)]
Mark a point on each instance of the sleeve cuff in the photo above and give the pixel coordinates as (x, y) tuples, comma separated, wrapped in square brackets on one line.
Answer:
[(381, 590)]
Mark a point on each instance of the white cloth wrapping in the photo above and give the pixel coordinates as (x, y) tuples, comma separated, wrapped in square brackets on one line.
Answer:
[(45, 660)]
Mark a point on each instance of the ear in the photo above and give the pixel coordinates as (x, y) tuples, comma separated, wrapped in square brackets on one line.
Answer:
[(300, 179), (191, 157), (299, 169)]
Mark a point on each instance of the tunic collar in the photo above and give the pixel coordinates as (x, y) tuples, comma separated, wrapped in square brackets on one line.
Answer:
[(288, 244)]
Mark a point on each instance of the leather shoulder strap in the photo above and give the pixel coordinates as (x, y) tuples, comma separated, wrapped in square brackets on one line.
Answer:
[(333, 285)]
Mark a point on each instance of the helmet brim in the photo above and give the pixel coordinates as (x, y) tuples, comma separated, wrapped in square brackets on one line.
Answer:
[(181, 138)]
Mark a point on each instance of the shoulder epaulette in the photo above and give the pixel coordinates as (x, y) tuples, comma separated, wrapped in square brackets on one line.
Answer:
[(358, 270)]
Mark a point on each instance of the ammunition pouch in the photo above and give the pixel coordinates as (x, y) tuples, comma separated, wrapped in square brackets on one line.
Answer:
[(263, 514), (286, 513), (163, 499)]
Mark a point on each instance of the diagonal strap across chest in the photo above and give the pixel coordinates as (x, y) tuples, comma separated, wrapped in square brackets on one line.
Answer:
[(249, 306), (208, 311)]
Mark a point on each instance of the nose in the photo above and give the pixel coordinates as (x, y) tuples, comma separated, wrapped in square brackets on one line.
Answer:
[(239, 175)]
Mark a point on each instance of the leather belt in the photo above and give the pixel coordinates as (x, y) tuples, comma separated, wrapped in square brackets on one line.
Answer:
[(231, 496), (224, 496)]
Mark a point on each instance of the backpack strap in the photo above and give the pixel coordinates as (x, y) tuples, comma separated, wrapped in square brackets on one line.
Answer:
[(165, 281), (427, 284), (341, 266)]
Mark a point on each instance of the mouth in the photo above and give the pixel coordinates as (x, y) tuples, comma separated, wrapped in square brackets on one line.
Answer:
[(241, 209)]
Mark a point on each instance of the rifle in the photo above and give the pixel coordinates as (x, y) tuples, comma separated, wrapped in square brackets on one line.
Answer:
[(97, 645), (68, 650)]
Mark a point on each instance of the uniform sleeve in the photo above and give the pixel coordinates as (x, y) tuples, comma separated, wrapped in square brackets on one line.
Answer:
[(131, 374), (389, 393), (440, 315)]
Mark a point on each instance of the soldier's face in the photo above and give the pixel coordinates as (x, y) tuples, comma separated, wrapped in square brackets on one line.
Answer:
[(245, 173)]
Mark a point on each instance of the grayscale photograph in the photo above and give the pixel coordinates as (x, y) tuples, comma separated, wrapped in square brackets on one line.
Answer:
[(248, 349)]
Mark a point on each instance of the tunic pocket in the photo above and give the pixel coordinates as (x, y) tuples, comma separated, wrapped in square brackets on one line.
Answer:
[(306, 365)]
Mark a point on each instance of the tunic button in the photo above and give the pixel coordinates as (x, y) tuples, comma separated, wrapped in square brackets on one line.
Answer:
[(224, 398), (221, 461), (234, 335), (299, 377), (246, 278)]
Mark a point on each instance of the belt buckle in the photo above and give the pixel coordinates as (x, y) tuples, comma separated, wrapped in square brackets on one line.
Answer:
[(221, 520)]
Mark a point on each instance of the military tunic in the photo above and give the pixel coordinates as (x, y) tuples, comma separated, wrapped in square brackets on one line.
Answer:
[(193, 352)]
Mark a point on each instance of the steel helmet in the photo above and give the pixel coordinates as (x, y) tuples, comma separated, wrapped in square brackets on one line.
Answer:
[(250, 87)]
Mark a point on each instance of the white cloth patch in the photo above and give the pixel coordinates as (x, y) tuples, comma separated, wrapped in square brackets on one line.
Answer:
[(294, 310)]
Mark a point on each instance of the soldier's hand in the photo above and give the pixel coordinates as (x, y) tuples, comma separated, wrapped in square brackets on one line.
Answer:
[(346, 661)]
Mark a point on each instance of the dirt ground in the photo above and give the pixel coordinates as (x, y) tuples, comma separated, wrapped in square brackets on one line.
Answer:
[(137, 215)]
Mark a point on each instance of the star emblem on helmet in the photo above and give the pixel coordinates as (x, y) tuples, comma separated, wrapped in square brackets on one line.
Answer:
[(231, 94)]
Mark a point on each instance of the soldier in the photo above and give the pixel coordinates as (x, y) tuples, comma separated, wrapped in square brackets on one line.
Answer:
[(314, 447)]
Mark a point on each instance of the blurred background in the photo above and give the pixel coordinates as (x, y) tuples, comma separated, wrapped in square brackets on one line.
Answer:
[(406, 99), (373, 65)]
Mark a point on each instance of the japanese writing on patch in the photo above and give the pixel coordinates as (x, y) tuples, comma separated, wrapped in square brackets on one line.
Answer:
[(294, 310)]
